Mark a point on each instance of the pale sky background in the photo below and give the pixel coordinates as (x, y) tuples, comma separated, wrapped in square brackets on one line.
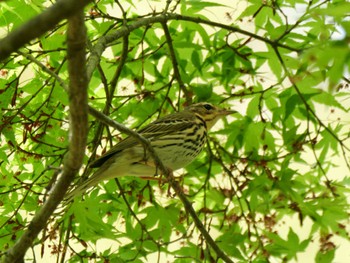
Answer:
[(219, 14)]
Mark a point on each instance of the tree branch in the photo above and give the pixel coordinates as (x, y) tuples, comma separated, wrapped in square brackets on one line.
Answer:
[(78, 136), (39, 25), (102, 43), (231, 29), (175, 65)]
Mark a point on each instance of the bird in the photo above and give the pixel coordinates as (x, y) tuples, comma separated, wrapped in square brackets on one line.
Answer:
[(177, 139)]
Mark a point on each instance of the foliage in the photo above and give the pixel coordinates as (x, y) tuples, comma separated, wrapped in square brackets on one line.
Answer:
[(273, 179)]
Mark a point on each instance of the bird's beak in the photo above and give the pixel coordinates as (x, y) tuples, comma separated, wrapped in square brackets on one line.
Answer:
[(225, 112)]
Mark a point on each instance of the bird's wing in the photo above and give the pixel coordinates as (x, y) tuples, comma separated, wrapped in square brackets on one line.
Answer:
[(164, 126)]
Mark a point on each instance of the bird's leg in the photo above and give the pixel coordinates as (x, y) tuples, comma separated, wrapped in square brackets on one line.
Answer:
[(169, 178), (160, 179), (178, 179), (169, 186)]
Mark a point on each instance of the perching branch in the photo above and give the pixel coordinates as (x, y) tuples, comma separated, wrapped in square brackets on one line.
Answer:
[(78, 136)]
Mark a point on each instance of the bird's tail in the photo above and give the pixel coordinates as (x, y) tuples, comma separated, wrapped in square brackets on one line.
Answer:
[(112, 169), (103, 173), (82, 188)]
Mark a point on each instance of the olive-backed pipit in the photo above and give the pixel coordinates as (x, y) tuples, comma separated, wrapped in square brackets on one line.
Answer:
[(176, 138)]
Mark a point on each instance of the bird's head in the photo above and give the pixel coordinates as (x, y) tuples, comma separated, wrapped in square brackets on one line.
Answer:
[(208, 112)]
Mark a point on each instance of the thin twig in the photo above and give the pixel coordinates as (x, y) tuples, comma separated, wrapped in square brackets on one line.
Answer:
[(177, 74), (122, 61)]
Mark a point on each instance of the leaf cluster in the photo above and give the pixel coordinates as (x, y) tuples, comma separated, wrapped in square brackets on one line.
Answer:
[(268, 173)]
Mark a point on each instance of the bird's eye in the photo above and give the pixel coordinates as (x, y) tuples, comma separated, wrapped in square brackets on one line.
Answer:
[(208, 106)]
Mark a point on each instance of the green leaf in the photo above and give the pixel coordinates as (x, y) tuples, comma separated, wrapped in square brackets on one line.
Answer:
[(250, 10), (198, 5), (325, 257), (339, 9), (291, 104), (253, 135), (196, 60), (274, 63), (231, 240), (284, 156), (293, 239), (203, 92), (253, 107)]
